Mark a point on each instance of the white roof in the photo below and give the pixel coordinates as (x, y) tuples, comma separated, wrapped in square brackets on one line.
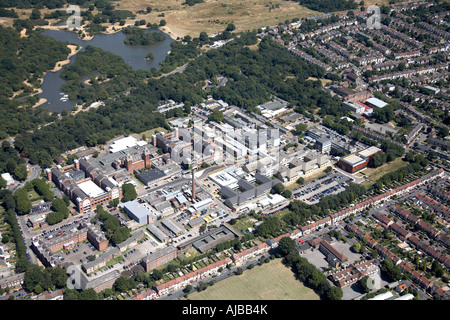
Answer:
[(377, 102), (202, 203), (7, 177), (275, 199), (383, 296), (223, 178), (91, 189), (125, 143), (408, 296), (369, 151)]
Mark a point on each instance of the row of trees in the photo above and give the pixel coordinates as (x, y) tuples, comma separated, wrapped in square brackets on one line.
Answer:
[(328, 5), (111, 226), (306, 272)]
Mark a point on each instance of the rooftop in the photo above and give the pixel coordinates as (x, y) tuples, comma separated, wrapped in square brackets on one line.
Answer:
[(124, 143), (91, 189), (376, 102)]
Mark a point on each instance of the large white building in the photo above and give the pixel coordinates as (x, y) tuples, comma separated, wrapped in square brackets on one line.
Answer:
[(125, 143)]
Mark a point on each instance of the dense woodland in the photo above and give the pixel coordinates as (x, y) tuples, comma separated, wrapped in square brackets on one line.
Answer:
[(328, 5), (254, 75), (50, 4), (138, 37), (24, 59)]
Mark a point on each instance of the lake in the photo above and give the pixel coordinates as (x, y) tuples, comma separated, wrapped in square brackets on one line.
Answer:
[(132, 55)]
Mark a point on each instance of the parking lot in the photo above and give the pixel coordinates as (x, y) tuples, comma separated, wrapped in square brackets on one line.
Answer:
[(80, 253), (313, 191)]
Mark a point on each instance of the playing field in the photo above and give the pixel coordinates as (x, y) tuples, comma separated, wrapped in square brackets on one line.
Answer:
[(214, 15), (271, 281), (373, 174)]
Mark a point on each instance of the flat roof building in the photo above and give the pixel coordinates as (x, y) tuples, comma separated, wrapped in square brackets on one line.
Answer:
[(125, 143), (91, 189), (159, 258), (375, 102), (151, 176), (137, 212)]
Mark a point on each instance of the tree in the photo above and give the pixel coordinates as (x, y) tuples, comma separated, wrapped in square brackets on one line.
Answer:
[(188, 288), (114, 203), (216, 116), (156, 275), (203, 37), (35, 14), (21, 172), (230, 27), (287, 194), (278, 188), (377, 160), (301, 181), (128, 192), (335, 293), (286, 245), (122, 284), (269, 227), (356, 247), (2, 183), (366, 283), (23, 204)]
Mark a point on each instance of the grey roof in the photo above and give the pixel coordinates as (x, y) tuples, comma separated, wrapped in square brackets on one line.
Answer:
[(102, 279), (104, 256), (227, 192), (158, 254), (136, 209), (245, 185), (171, 225), (157, 233), (79, 193), (151, 175), (273, 105), (131, 239), (195, 222)]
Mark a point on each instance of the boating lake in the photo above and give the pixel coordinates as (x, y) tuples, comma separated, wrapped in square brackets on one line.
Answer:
[(132, 55)]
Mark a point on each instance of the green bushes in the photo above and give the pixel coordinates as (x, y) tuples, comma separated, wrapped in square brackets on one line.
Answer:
[(310, 275), (60, 212), (42, 188), (111, 225)]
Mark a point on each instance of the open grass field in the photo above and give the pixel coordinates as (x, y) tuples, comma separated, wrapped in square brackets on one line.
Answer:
[(271, 281), (213, 16), (210, 16), (373, 174)]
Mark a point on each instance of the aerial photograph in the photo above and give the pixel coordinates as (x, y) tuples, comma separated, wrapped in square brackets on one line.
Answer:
[(243, 152)]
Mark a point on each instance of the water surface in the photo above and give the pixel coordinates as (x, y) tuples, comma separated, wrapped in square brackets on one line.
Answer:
[(132, 55)]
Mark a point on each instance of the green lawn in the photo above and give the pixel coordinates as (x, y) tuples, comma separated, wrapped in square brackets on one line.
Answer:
[(271, 281), (373, 174)]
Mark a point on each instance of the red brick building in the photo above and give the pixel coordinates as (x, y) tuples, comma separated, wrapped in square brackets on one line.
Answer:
[(159, 258)]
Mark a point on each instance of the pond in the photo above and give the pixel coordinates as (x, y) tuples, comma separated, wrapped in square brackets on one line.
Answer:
[(132, 55)]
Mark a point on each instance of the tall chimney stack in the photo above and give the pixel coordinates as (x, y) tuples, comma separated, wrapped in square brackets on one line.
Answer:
[(193, 185)]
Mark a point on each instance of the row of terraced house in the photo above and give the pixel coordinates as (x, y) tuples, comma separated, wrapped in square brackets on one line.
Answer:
[(239, 258), (415, 275)]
